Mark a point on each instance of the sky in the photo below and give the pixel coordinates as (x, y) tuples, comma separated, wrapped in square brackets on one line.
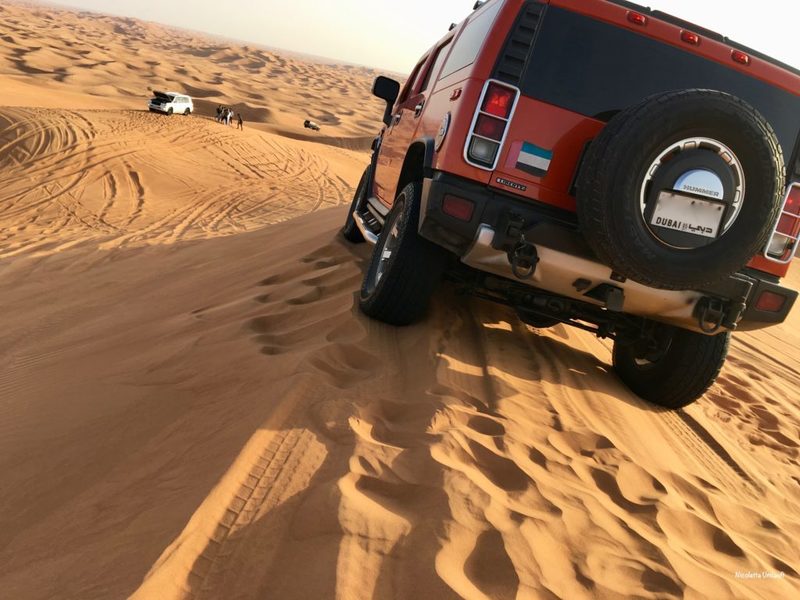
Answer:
[(393, 34)]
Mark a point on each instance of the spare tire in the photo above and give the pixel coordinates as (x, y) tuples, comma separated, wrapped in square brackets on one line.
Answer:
[(682, 190)]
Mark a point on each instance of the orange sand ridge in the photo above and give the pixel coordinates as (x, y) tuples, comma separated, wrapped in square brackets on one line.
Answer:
[(191, 405)]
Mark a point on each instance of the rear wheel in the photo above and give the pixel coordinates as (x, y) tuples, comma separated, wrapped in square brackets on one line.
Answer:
[(187, 112), (350, 230), (674, 368), (169, 111), (405, 268)]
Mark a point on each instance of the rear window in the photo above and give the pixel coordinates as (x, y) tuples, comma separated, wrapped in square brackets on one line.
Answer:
[(469, 42), (597, 69)]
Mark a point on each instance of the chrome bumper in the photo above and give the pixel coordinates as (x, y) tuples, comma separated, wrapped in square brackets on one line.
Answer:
[(564, 262)]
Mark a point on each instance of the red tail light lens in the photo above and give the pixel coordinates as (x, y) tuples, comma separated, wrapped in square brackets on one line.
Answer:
[(458, 208), (783, 242), (786, 224), (790, 216), (770, 301), (498, 101), (792, 205), (490, 127)]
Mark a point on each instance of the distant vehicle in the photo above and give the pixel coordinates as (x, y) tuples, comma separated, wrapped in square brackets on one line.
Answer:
[(310, 125), (171, 102), (592, 163)]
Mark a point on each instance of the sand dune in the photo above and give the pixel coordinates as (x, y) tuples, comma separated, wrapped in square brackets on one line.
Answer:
[(118, 61), (192, 406), (123, 177)]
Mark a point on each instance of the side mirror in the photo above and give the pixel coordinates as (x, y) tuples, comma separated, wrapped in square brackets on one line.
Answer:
[(386, 89)]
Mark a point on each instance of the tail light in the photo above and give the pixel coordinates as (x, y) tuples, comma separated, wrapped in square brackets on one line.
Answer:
[(782, 243), (498, 100), (460, 208), (770, 302), (490, 124)]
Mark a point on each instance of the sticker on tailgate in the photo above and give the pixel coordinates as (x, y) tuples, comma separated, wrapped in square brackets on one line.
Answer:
[(533, 159)]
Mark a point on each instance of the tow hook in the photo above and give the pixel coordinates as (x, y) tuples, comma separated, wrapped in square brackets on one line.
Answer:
[(710, 313), (523, 259)]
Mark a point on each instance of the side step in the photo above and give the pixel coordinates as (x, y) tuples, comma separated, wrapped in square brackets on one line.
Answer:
[(370, 221), (366, 227)]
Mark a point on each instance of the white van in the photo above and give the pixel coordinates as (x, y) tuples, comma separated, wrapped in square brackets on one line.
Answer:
[(171, 102)]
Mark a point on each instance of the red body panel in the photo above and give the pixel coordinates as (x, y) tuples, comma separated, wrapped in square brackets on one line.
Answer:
[(555, 129), (563, 132)]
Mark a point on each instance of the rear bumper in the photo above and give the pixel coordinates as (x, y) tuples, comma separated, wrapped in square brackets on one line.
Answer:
[(567, 267), (492, 208)]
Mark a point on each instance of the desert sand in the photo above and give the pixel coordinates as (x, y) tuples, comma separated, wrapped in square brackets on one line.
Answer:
[(192, 406)]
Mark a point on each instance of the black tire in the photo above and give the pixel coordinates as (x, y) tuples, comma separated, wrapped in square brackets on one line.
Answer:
[(350, 231), (615, 173), (169, 111), (409, 275), (187, 112), (677, 375)]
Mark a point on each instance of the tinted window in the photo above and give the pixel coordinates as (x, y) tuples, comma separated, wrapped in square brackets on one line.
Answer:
[(471, 39), (597, 69), (437, 64)]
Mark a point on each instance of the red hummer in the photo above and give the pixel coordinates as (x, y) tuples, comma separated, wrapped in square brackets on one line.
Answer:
[(595, 163)]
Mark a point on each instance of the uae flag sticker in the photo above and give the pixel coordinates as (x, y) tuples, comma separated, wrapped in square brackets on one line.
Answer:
[(534, 160)]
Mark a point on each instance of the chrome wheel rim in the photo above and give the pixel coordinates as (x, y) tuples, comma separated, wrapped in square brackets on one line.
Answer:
[(385, 248), (387, 251), (700, 174)]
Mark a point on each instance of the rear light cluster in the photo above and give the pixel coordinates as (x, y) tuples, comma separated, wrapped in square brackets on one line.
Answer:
[(782, 244), (490, 124)]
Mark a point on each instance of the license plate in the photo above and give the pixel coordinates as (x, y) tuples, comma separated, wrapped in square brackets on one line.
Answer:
[(689, 215)]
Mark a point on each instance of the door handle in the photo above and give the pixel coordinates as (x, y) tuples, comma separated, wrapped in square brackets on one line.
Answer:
[(418, 109)]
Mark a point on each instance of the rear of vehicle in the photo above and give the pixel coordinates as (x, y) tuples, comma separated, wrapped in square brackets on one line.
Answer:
[(609, 167)]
